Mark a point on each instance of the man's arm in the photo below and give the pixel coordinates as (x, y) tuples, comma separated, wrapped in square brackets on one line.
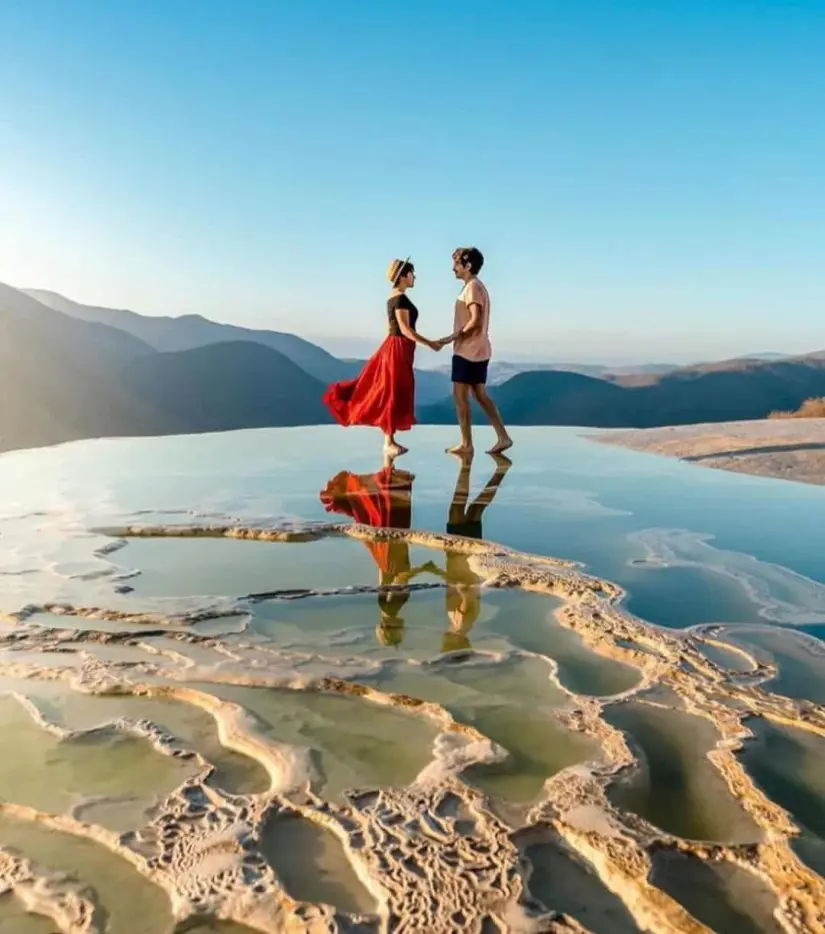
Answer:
[(473, 296), (472, 326)]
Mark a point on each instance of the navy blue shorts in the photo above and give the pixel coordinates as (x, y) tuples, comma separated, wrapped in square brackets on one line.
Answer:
[(469, 529), (472, 372)]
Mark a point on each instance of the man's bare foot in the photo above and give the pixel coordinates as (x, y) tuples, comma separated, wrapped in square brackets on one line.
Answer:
[(395, 449), (503, 445), (461, 450)]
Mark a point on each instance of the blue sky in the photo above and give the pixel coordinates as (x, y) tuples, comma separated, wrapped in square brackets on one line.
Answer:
[(645, 178)]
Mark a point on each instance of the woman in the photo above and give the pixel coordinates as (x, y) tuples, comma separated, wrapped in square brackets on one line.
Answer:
[(383, 395), (381, 500)]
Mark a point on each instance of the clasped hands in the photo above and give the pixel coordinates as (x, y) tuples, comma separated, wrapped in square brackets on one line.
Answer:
[(441, 342)]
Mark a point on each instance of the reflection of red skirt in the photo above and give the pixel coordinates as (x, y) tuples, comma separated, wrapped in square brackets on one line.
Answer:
[(383, 395), (382, 500)]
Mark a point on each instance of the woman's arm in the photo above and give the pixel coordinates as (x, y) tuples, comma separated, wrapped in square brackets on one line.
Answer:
[(402, 316), (428, 567), (404, 577)]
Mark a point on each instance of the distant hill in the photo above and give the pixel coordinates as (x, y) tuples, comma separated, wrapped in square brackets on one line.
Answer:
[(62, 379), (544, 397), (233, 385), (754, 363), (501, 371), (68, 376), (765, 355), (190, 331), (726, 391), (59, 378)]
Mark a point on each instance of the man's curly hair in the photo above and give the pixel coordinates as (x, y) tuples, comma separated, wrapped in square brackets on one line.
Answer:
[(469, 256)]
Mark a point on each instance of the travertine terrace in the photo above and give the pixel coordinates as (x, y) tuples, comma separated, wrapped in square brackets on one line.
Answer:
[(790, 449), (435, 855)]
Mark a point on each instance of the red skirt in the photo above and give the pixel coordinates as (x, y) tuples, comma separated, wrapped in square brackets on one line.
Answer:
[(383, 395)]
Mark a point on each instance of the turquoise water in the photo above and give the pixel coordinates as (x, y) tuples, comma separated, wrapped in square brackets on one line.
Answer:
[(676, 788), (689, 545), (737, 548)]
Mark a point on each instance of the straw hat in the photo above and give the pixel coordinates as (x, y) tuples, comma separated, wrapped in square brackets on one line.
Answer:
[(395, 268)]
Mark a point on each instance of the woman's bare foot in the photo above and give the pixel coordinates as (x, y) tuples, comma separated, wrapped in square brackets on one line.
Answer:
[(395, 449), (461, 450), (504, 444)]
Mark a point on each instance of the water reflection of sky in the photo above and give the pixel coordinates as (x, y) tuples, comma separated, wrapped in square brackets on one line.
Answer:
[(690, 544)]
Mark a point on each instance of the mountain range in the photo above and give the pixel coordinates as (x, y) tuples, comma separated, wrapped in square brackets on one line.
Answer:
[(500, 371), (70, 371), (730, 390), (188, 332), (64, 378)]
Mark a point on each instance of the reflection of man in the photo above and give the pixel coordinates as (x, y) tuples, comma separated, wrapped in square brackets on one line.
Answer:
[(463, 595)]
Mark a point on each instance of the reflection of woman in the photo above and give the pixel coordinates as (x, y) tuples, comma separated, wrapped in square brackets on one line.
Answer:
[(381, 500), (463, 595), (383, 395)]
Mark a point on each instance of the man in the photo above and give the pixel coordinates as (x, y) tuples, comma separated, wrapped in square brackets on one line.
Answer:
[(463, 585), (472, 352)]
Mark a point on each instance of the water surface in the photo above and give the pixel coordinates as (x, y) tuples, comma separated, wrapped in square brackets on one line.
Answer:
[(689, 545)]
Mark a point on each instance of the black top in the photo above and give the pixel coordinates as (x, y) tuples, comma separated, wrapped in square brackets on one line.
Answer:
[(400, 301)]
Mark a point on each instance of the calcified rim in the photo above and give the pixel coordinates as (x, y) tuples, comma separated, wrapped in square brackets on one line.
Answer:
[(574, 805)]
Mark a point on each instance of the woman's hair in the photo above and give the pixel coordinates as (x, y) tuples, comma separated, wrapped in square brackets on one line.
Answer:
[(399, 268), (469, 256)]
